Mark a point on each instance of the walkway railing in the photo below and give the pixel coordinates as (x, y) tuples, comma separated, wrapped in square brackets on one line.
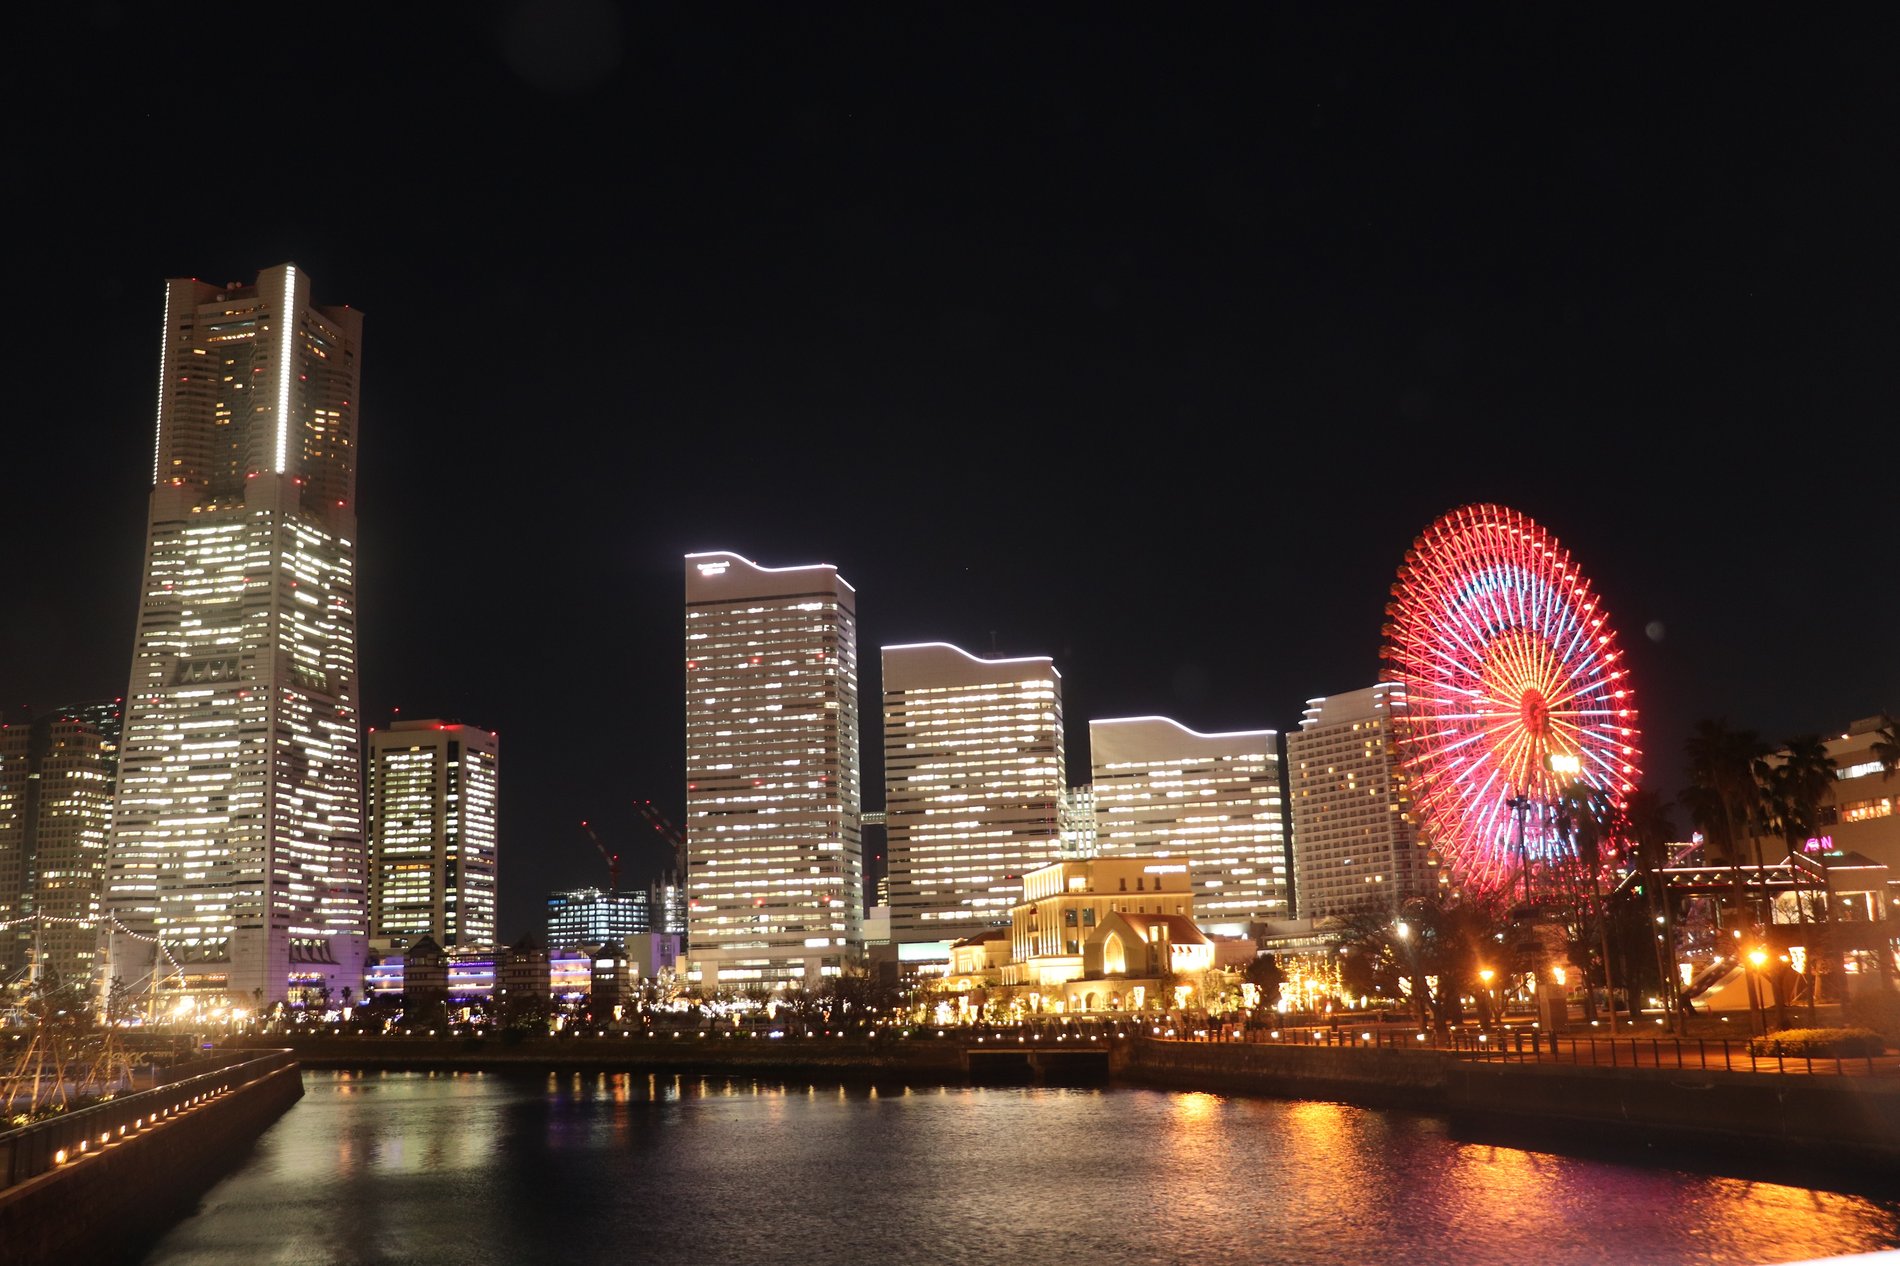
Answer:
[(45, 1145), (1529, 1046)]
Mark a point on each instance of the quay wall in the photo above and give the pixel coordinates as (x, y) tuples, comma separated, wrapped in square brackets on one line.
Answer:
[(107, 1206), (1851, 1121), (1838, 1122), (1826, 1120), (1383, 1077), (841, 1058)]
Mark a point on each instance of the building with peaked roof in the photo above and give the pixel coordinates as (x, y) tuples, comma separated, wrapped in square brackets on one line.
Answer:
[(1104, 934), (524, 987)]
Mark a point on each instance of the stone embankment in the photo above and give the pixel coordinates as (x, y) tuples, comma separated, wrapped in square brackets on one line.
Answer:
[(96, 1185), (842, 1058), (1839, 1122), (1716, 1117)]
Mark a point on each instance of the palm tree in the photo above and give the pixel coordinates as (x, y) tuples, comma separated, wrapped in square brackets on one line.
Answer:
[(1727, 768), (1887, 746), (1648, 829), (1798, 786), (1588, 818)]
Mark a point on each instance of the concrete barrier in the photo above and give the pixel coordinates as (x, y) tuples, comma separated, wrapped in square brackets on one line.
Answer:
[(108, 1202)]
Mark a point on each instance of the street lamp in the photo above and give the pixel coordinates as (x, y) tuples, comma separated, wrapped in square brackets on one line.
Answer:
[(1756, 957), (1490, 1003)]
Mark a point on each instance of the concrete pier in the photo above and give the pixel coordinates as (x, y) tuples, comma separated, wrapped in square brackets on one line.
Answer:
[(96, 1186)]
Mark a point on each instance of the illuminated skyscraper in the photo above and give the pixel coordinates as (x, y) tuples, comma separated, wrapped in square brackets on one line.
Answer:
[(432, 834), (238, 828), (973, 789), (56, 777), (774, 874), (1354, 846), (590, 917), (1212, 800)]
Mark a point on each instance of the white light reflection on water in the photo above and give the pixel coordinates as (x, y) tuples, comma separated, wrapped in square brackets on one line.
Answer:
[(467, 1170)]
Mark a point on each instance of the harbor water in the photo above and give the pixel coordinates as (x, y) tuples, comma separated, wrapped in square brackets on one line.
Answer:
[(469, 1169)]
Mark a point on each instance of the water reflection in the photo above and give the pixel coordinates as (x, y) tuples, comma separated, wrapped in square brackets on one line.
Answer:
[(473, 1169)]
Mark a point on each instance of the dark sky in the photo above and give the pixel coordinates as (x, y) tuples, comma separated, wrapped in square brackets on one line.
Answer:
[(1146, 338)]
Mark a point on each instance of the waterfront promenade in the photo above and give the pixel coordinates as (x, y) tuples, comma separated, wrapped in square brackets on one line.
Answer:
[(1705, 1108), (82, 1186), (1712, 1101)]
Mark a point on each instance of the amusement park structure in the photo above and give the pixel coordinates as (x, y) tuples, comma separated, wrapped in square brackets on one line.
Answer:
[(1516, 697), (1518, 739)]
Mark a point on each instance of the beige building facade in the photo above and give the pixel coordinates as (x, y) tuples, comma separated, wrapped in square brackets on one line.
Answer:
[(1211, 800), (1355, 848), (973, 789), (773, 786)]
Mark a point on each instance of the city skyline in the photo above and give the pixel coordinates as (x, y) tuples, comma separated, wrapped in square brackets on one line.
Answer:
[(1154, 366)]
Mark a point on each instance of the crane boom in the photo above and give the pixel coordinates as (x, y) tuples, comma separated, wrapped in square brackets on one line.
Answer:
[(612, 859), (669, 834)]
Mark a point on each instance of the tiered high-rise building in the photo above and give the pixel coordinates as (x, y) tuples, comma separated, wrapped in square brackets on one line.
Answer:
[(433, 801), (237, 834), (1355, 849), (973, 789), (1211, 800), (56, 782), (773, 786)]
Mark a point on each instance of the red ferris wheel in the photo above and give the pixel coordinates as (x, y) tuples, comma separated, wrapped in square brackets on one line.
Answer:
[(1514, 691)]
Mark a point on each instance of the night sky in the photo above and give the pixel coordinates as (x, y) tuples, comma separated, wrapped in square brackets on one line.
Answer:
[(1146, 338)]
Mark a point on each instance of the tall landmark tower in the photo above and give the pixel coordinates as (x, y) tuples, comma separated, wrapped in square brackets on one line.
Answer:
[(774, 873), (237, 836)]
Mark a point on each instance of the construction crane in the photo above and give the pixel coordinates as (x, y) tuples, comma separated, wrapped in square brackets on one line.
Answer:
[(676, 904), (670, 835), (612, 859)]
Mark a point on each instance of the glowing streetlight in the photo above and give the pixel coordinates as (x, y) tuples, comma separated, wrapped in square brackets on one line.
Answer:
[(1756, 958)]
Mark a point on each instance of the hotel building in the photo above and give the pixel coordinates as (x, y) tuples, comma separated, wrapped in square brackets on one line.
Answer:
[(973, 789), (56, 782), (774, 874), (1859, 814), (433, 789), (237, 835), (1210, 800), (1354, 846)]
